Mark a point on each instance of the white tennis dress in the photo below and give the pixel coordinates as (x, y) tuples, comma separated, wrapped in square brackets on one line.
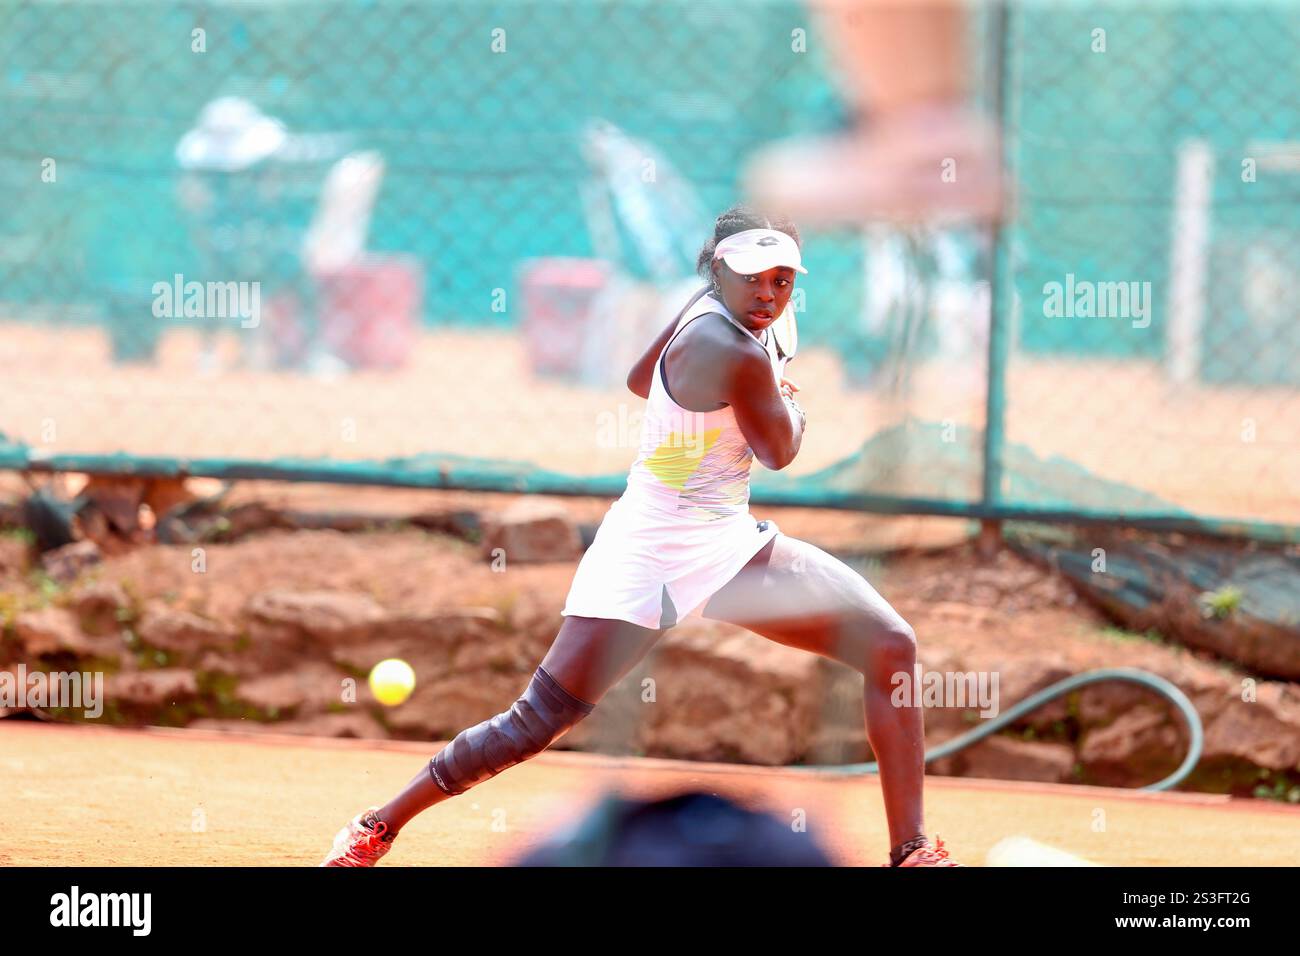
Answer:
[(682, 529)]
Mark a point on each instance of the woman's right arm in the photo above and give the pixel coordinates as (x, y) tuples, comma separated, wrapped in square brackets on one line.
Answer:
[(642, 374), (772, 424)]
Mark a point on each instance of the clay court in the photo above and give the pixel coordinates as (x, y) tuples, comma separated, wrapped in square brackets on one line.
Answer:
[(155, 797)]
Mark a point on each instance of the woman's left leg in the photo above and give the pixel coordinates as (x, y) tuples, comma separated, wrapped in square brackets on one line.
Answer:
[(796, 594)]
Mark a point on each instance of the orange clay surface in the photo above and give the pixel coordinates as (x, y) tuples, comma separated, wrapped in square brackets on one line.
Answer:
[(77, 795)]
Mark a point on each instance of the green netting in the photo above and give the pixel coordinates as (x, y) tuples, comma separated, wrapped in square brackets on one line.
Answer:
[(521, 140)]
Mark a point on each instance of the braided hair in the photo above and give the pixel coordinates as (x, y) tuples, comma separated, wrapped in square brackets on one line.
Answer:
[(738, 219)]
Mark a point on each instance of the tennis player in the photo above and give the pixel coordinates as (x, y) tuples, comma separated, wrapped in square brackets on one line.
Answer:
[(681, 542)]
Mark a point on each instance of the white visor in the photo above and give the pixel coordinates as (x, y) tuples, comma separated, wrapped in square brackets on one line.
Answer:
[(757, 250)]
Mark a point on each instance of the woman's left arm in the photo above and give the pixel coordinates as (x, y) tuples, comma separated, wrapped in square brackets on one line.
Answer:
[(643, 372)]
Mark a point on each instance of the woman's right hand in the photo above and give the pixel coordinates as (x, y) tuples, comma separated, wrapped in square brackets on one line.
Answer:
[(794, 406)]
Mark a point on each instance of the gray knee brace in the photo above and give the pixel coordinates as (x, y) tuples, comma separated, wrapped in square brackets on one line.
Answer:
[(543, 713)]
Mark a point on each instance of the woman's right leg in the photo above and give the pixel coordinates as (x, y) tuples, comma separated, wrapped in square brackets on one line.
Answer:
[(588, 657)]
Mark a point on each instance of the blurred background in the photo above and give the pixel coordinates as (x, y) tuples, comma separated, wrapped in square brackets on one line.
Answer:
[(422, 244)]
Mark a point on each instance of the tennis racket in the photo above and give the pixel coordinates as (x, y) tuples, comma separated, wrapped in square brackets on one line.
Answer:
[(785, 333)]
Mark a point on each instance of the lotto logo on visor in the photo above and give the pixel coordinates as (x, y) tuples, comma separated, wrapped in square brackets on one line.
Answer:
[(757, 250)]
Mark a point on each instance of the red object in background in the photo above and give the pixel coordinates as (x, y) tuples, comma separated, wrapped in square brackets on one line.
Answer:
[(290, 338), (370, 310), (557, 295)]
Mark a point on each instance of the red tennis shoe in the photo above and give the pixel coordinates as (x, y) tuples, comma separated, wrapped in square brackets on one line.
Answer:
[(929, 854), (361, 843)]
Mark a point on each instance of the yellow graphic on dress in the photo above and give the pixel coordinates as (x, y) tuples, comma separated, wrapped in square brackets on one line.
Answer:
[(676, 459)]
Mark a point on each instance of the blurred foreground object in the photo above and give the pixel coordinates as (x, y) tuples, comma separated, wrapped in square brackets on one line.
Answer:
[(1022, 851), (688, 829), (917, 152)]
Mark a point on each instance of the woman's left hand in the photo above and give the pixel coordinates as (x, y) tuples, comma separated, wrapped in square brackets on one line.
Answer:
[(788, 388)]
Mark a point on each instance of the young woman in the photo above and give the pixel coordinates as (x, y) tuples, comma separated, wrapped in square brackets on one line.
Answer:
[(681, 542)]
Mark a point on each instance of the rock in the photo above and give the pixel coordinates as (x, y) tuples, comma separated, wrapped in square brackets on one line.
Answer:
[(118, 498), (1139, 747), (446, 628), (838, 745), (13, 557), (1264, 732), (328, 616), (1101, 704), (459, 523), (725, 694), (440, 709), (1021, 678), (532, 530), (932, 659), (1005, 758), (100, 607), (65, 563), (506, 654), (1209, 689), (430, 662), (273, 693), (11, 514), (312, 684), (841, 733), (179, 632), (437, 644), (213, 662), (243, 520), (152, 688), (91, 525), (51, 630), (162, 495)]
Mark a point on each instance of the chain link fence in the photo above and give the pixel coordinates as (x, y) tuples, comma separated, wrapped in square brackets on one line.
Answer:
[(1148, 287), (422, 243)]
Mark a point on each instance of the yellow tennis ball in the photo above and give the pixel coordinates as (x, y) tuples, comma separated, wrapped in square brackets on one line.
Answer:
[(391, 681)]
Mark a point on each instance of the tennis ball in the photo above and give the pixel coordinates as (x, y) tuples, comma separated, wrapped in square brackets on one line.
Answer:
[(391, 681)]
